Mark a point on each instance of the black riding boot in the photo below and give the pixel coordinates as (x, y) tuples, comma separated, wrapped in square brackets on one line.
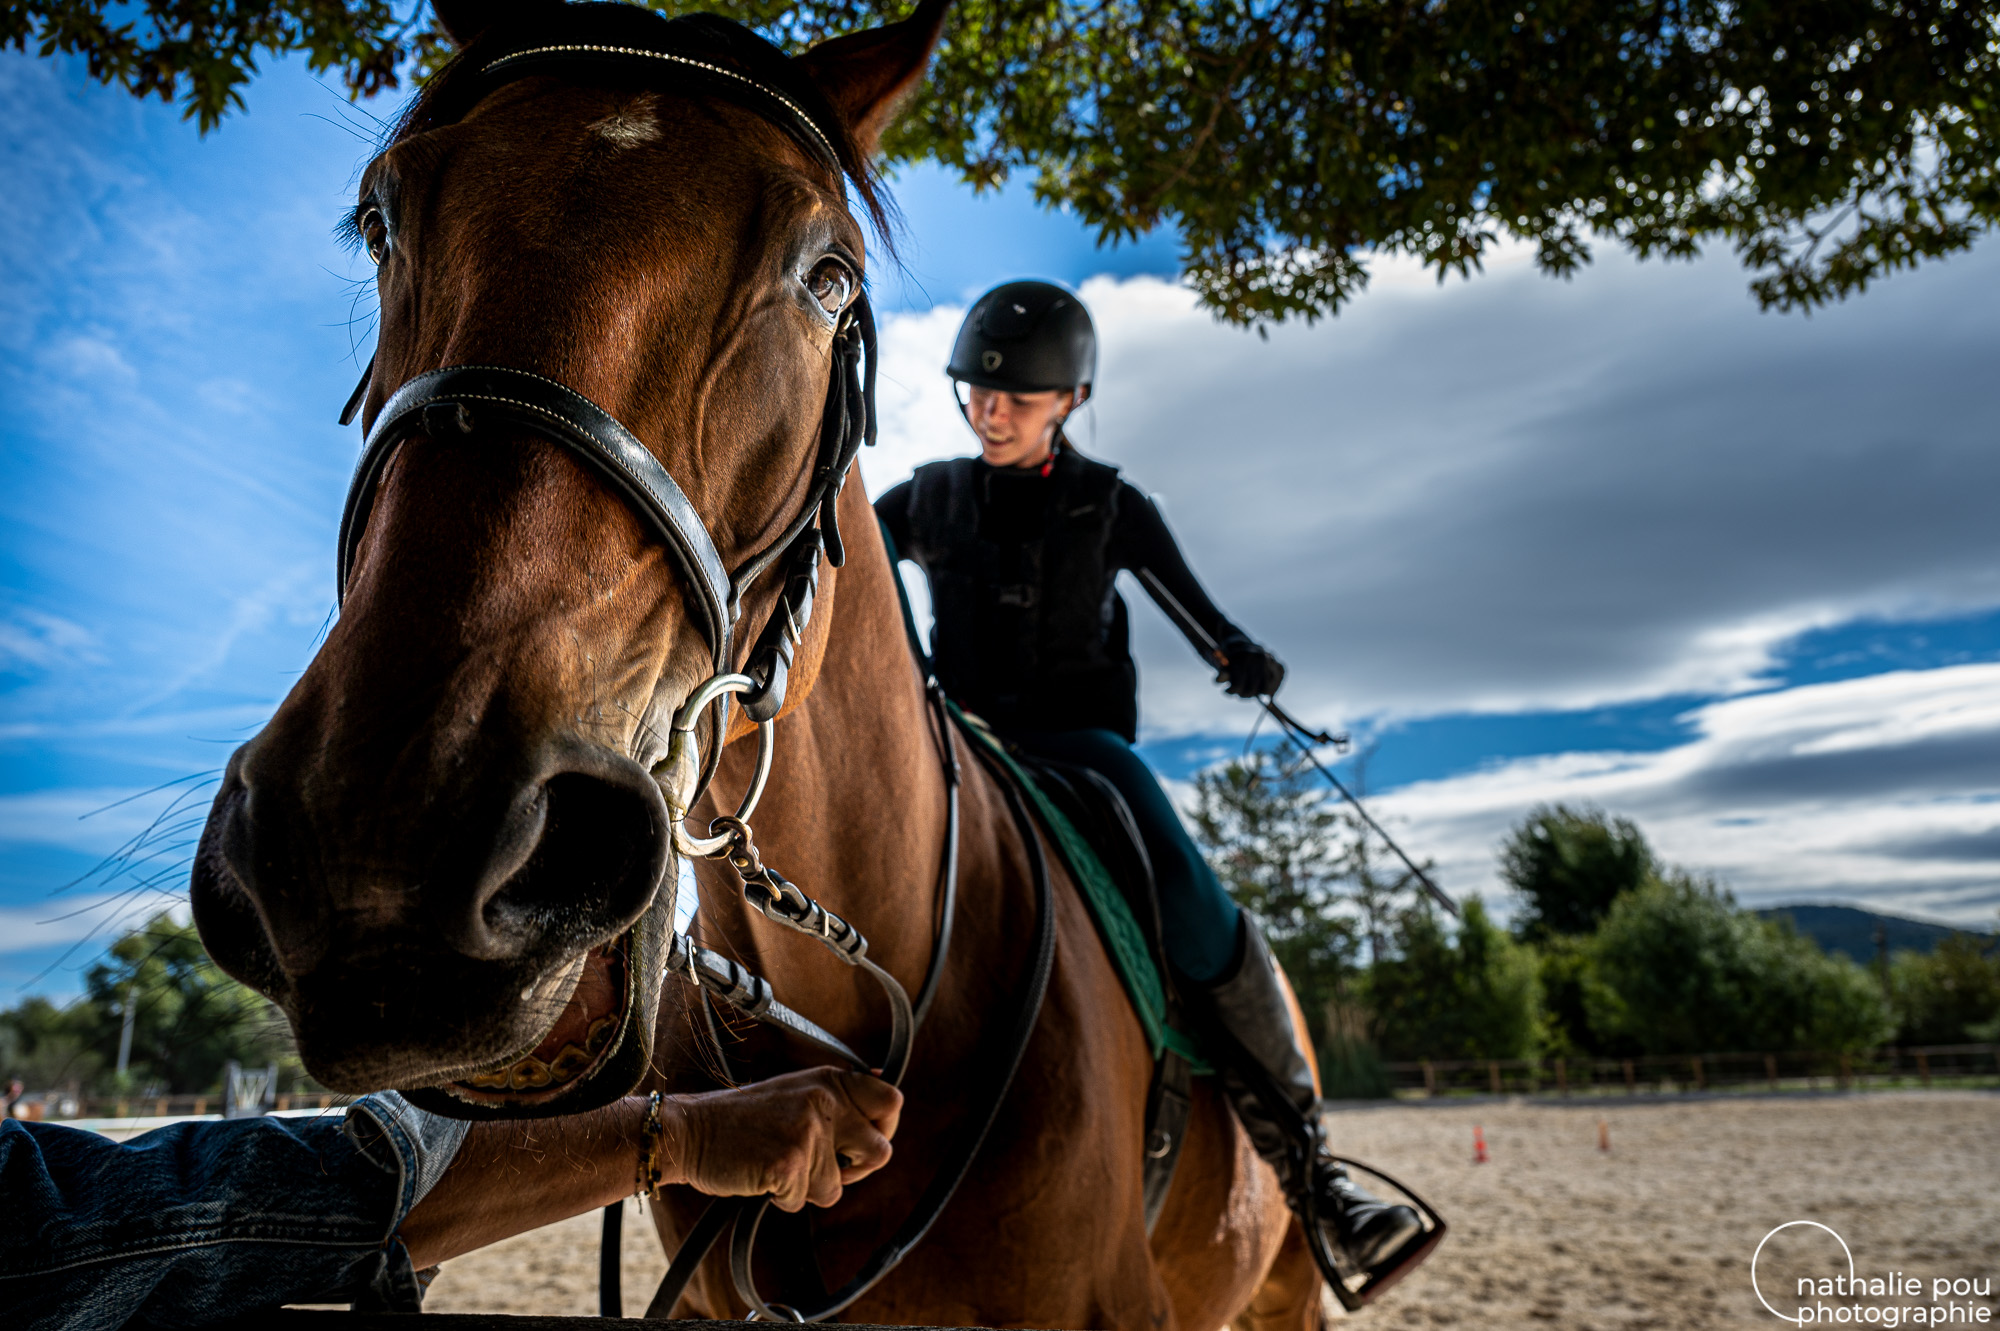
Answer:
[(1270, 1082)]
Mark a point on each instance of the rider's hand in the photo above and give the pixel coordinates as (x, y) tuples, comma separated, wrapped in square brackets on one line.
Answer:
[(1252, 672), (799, 1137)]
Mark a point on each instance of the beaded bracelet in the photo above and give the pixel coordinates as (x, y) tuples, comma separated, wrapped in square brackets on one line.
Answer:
[(652, 1152)]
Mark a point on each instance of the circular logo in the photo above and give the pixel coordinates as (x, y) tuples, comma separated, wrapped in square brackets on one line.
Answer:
[(989, 361), (1760, 1252)]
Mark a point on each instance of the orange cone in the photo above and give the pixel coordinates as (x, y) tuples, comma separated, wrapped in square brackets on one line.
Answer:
[(1478, 1146), (1603, 1136)]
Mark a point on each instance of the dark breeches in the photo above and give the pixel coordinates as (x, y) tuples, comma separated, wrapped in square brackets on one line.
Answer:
[(1200, 919)]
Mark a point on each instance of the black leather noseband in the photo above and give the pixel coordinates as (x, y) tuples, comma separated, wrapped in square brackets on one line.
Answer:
[(486, 399), (498, 402)]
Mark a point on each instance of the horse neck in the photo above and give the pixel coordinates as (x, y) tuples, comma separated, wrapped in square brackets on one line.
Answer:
[(857, 807)]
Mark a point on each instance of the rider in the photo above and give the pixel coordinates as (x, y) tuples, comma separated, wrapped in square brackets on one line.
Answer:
[(1021, 545)]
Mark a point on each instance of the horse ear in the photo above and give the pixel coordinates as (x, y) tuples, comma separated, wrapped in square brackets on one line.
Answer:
[(464, 20), (868, 75)]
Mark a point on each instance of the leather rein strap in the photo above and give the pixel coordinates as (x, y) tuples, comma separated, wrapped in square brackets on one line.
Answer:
[(747, 1213)]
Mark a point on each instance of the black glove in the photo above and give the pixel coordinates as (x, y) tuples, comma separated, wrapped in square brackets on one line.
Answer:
[(1252, 672)]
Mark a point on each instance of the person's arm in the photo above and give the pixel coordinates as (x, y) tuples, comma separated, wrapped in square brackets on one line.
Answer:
[(1143, 543), (801, 1138), (202, 1221)]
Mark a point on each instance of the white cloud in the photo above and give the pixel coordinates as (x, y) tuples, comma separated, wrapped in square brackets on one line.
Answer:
[(1881, 791), (34, 640), (105, 820), (91, 357), (66, 919)]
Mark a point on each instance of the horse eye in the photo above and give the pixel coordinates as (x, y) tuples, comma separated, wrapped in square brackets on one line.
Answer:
[(374, 233), (831, 283)]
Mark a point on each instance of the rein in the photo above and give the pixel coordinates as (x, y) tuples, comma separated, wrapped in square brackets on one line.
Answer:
[(747, 993), (750, 995), (473, 400)]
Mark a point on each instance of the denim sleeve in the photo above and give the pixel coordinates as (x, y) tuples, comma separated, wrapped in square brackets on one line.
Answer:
[(196, 1222)]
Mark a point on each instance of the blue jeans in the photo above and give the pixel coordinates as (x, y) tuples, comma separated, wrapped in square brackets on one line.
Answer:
[(195, 1222), (1201, 921)]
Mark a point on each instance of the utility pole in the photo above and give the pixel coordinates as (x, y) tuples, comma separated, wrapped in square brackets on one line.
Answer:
[(131, 1007)]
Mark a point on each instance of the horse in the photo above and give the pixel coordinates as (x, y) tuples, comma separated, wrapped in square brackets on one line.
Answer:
[(446, 857)]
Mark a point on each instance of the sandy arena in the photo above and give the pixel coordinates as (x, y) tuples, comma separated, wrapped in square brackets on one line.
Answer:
[(1552, 1232)]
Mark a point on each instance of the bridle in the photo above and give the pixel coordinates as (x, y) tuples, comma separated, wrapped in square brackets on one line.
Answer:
[(470, 400)]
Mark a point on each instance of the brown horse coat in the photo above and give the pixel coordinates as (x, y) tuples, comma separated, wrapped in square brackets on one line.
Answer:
[(453, 806)]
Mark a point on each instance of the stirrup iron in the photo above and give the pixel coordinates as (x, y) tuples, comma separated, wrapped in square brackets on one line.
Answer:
[(1356, 1289)]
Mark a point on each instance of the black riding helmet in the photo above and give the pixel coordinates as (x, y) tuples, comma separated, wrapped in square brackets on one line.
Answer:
[(1026, 337)]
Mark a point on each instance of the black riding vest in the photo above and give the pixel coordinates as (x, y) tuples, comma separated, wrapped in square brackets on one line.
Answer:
[(1029, 630)]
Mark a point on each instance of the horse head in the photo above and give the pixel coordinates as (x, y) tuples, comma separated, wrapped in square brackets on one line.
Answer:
[(447, 855)]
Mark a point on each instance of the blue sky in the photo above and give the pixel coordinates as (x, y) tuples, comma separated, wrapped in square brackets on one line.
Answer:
[(1620, 539)]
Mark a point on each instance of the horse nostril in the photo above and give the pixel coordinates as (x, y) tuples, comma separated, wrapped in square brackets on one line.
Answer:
[(592, 871)]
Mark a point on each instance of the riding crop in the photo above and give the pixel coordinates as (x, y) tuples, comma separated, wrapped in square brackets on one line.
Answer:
[(1303, 737)]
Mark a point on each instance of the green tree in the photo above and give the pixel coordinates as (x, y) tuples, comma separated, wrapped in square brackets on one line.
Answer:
[(188, 1020), (1278, 848), (1472, 994), (50, 1048), (200, 53), (1565, 968), (1378, 895), (1827, 143), (1941, 995), (1677, 968), (1303, 865), (1568, 866)]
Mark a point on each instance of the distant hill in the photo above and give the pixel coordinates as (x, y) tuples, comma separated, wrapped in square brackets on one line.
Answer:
[(1851, 930)]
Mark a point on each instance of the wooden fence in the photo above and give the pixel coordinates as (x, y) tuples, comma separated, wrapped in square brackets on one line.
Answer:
[(1931, 1065), (1953, 1065), (182, 1106)]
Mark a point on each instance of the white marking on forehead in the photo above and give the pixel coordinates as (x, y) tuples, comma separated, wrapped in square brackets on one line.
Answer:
[(631, 125)]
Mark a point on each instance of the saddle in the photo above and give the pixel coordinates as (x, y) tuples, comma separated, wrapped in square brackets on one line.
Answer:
[(1099, 814), (1086, 821)]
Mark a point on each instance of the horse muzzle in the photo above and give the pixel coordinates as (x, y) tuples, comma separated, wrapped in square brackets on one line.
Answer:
[(496, 954)]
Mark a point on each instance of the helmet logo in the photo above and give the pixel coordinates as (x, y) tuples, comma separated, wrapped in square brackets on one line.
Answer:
[(989, 361)]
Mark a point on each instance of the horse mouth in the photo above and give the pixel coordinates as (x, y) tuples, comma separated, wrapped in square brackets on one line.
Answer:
[(576, 1046)]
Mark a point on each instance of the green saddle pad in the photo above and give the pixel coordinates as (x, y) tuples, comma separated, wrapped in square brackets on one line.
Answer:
[(1123, 938)]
